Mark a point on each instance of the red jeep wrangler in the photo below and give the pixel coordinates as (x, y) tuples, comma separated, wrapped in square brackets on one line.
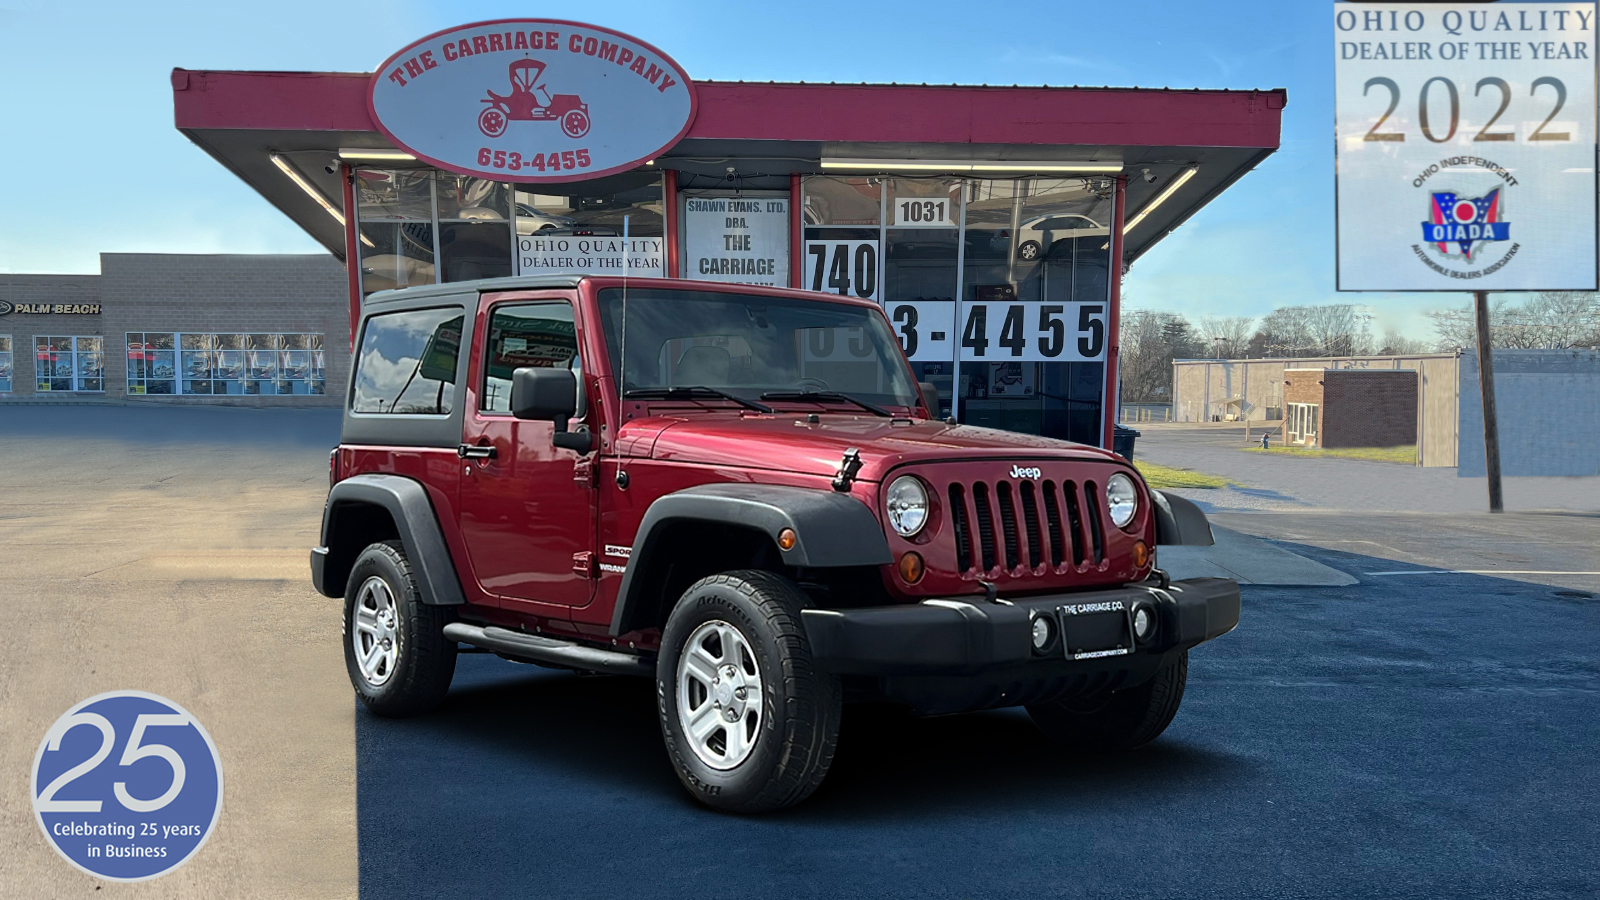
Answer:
[(741, 493)]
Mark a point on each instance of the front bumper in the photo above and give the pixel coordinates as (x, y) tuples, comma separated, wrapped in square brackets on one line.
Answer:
[(971, 635)]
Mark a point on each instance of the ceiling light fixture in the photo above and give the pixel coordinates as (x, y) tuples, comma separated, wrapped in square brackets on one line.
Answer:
[(964, 166), (1160, 198), (288, 169), (364, 153)]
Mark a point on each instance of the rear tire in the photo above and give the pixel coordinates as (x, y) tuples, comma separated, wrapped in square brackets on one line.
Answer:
[(1122, 720), (394, 646), (743, 630)]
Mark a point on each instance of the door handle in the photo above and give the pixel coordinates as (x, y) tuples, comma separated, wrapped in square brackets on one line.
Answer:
[(476, 451)]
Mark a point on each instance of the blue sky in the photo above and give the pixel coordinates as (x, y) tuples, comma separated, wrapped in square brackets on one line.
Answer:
[(93, 163)]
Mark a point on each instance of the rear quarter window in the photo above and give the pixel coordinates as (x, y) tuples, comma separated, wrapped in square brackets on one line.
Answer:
[(406, 364)]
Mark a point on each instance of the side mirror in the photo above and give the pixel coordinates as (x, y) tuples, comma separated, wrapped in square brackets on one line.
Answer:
[(545, 394), (930, 396)]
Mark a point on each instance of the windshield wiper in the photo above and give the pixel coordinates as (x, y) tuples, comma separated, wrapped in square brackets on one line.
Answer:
[(689, 391), (827, 396)]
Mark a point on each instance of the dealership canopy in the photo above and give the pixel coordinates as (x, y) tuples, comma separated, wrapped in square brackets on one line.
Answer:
[(991, 222)]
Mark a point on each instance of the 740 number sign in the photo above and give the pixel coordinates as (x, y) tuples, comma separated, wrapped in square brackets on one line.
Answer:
[(848, 268), (1033, 331)]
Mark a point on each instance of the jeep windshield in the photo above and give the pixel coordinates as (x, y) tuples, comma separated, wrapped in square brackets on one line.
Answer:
[(754, 348)]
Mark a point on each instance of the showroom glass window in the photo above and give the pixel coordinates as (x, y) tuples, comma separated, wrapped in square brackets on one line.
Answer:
[(152, 363), (474, 227), (920, 275), (1027, 240), (995, 241), (395, 220), (5, 364), (69, 364), (229, 363), (578, 227), (407, 363)]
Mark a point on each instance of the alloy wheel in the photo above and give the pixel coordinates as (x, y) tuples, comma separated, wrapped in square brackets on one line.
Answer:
[(376, 635), (719, 695)]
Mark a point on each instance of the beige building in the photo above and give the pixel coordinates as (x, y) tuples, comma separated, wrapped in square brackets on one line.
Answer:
[(1205, 390)]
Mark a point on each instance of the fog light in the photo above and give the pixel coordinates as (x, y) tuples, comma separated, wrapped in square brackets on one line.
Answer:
[(1141, 554), (1144, 623), (911, 567), (1041, 633)]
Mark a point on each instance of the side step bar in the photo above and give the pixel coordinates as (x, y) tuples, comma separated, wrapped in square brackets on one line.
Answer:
[(548, 650)]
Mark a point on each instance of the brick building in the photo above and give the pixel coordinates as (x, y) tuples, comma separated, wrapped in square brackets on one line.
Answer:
[(1350, 407), (237, 329)]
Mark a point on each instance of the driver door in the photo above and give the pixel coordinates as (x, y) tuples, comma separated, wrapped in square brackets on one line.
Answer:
[(527, 520)]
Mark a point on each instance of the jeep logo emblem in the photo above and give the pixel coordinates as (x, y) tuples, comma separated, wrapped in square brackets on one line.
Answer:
[(1021, 472)]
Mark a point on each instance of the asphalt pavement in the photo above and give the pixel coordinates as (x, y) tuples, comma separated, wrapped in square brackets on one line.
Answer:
[(1409, 735), (1271, 481), (1426, 731)]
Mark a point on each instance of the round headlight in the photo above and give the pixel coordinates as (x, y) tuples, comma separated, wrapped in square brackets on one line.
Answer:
[(1122, 499), (907, 504)]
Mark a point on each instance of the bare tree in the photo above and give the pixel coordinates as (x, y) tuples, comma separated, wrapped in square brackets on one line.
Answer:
[(1550, 320), (1337, 329), (1396, 344), (1227, 336), (1151, 340)]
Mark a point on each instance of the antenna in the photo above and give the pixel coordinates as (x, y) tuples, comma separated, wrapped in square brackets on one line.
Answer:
[(622, 365)]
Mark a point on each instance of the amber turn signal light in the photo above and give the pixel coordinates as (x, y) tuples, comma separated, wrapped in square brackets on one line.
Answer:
[(1141, 554), (911, 567), (787, 539)]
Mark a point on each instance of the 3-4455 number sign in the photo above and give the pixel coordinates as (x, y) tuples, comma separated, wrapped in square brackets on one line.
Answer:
[(1033, 331)]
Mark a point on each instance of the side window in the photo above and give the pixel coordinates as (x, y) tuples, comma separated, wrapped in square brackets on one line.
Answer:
[(407, 363), (523, 335)]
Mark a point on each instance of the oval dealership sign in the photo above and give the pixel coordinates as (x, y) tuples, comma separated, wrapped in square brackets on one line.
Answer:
[(532, 100)]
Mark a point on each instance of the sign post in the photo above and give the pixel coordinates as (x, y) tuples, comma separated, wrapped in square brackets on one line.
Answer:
[(1465, 155), (1491, 425)]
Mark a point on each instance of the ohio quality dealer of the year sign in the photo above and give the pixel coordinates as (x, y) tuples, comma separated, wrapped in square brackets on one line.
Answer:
[(1465, 146), (532, 100)]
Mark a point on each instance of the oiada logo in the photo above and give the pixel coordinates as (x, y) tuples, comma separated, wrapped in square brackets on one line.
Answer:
[(532, 100), (1025, 472), (1461, 227)]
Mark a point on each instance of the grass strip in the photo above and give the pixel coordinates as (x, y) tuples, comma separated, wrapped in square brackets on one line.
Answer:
[(1405, 455), (1159, 477)]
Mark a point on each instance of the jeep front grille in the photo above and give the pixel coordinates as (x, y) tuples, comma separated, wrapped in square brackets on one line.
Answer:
[(1011, 524)]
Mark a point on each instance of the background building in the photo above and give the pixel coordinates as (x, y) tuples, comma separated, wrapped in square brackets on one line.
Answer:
[(1333, 408), (237, 329)]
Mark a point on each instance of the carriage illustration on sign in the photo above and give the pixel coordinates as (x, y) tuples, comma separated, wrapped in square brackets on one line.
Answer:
[(530, 101)]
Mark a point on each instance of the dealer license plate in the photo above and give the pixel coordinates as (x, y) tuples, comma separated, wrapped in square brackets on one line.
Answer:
[(1094, 630)]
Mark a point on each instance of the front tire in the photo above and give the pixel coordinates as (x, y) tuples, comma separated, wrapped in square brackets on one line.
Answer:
[(749, 722), (1122, 720), (394, 646)]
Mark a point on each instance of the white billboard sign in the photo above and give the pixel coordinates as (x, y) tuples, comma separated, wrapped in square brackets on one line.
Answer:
[(532, 100), (744, 240), (559, 254), (1465, 152)]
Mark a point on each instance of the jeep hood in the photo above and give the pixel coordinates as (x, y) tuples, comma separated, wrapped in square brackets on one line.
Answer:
[(789, 443)]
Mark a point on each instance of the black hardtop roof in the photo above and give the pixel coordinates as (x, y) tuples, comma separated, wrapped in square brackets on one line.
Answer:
[(546, 282), (512, 283)]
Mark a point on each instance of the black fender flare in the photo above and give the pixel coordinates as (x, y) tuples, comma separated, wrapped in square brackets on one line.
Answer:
[(832, 530), (1179, 521), (406, 501)]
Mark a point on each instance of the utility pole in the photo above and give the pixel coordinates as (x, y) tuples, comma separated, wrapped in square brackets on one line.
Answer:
[(1491, 427)]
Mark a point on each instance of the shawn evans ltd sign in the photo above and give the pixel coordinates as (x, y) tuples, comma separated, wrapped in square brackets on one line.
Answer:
[(532, 100)]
